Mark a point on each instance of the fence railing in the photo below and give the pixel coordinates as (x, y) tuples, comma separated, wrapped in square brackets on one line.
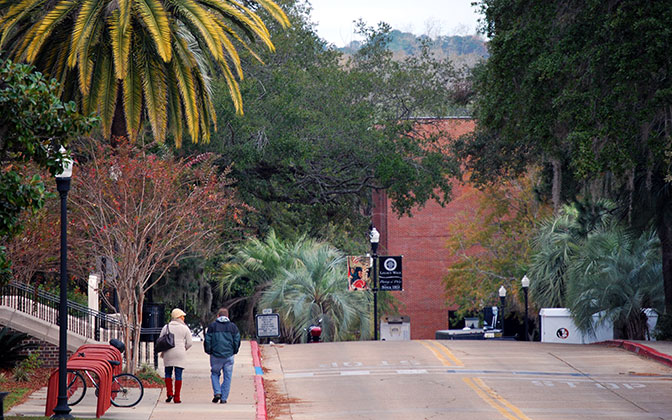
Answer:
[(81, 319)]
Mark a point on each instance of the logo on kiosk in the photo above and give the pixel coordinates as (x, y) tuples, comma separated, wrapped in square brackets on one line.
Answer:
[(562, 333)]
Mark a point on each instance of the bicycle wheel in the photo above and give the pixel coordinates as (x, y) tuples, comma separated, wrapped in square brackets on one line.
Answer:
[(76, 387), (127, 390)]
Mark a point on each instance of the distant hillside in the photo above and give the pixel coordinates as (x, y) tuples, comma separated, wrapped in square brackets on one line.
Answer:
[(466, 50)]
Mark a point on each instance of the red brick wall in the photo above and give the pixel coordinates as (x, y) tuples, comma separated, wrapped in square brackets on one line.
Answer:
[(421, 239), (48, 352)]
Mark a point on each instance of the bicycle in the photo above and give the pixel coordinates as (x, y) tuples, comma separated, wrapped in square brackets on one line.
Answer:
[(127, 389)]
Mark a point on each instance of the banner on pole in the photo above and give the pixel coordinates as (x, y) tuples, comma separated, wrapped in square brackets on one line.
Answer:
[(390, 274), (358, 272)]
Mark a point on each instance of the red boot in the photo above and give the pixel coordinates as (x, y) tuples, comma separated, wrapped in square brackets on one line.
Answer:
[(178, 388), (169, 389)]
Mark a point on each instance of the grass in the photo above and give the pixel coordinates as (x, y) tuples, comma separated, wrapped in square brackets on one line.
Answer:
[(15, 396), (19, 390)]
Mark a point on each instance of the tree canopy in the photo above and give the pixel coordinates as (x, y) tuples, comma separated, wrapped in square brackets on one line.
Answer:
[(584, 89), (34, 124), (320, 132)]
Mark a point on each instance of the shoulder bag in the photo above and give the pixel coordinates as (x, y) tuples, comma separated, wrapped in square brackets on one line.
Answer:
[(165, 342)]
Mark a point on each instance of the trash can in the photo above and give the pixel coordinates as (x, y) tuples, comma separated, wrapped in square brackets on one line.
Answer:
[(152, 321), (395, 328), (557, 326)]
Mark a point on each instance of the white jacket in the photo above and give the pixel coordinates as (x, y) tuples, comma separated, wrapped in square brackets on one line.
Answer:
[(177, 356)]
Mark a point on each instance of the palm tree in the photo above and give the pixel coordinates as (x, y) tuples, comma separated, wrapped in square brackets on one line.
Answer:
[(253, 267), (617, 277), (316, 290), (131, 60), (558, 241)]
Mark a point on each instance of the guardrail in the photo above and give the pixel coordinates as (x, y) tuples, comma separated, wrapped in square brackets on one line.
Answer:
[(81, 319), (44, 306)]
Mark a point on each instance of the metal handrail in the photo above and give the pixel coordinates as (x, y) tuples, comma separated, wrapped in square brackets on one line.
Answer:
[(81, 319), (44, 306)]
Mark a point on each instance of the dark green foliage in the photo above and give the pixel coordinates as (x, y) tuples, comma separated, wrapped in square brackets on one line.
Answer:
[(582, 88), (618, 276), (664, 327), (11, 345), (34, 124), (319, 134)]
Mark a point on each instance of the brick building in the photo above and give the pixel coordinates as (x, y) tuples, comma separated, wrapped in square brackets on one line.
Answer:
[(421, 239)]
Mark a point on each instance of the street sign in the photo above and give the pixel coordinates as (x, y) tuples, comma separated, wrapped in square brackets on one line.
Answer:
[(268, 325), (389, 274)]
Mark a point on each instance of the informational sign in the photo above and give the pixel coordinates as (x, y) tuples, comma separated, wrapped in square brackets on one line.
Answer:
[(268, 325), (267, 311), (389, 274), (358, 269)]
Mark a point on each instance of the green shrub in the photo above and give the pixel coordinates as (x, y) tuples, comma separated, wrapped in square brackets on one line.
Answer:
[(10, 347), (32, 362), (149, 374), (21, 374)]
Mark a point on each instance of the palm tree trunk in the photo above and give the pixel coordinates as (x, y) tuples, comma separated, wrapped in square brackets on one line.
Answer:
[(556, 188), (118, 132)]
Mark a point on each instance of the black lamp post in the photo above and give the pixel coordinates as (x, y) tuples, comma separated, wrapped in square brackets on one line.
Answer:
[(62, 410), (502, 300), (526, 284), (374, 237)]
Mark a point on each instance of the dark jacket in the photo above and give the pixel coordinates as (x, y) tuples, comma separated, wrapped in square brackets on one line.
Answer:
[(222, 339)]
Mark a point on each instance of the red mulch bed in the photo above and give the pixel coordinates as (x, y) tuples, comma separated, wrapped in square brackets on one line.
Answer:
[(38, 379)]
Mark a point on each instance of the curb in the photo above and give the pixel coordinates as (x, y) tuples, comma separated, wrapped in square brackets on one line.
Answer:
[(640, 349), (260, 393)]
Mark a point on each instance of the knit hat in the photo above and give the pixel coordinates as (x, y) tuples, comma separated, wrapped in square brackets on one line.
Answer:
[(176, 313)]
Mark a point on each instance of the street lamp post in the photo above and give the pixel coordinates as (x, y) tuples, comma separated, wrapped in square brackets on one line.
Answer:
[(526, 284), (502, 300), (62, 410), (374, 237)]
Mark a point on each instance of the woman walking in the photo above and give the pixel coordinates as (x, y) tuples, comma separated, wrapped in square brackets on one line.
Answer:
[(175, 358)]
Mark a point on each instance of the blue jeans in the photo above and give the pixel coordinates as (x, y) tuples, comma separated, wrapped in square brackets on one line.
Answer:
[(217, 366), (169, 372)]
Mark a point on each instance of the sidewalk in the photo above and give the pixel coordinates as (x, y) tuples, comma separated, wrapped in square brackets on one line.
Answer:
[(660, 351), (196, 395)]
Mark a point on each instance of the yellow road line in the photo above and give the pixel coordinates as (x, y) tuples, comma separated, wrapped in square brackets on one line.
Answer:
[(448, 353), (488, 395), (442, 353), (436, 352)]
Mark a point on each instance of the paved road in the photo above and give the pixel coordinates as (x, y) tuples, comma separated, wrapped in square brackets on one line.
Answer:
[(466, 380)]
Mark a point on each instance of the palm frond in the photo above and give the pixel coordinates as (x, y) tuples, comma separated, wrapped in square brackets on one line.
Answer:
[(83, 29), (155, 93), (156, 21), (132, 85), (203, 23), (121, 44), (44, 27), (106, 93), (14, 15), (185, 82)]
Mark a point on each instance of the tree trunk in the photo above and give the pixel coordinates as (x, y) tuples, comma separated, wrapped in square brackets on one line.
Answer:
[(557, 184), (118, 130)]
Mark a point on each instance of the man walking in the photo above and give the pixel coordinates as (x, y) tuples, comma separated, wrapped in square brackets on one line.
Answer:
[(222, 341)]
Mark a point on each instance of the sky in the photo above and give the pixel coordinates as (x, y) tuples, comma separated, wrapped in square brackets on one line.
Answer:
[(334, 18)]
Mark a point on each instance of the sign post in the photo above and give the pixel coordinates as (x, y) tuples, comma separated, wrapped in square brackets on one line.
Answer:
[(268, 325)]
